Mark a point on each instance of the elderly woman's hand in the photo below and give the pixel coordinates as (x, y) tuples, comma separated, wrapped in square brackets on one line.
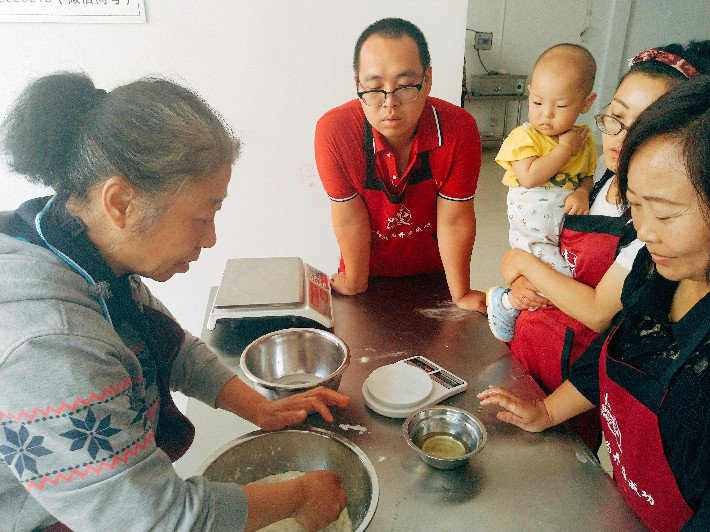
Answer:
[(272, 415), (314, 500), (323, 500)]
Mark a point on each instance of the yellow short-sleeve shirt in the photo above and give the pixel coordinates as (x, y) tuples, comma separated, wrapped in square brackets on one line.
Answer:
[(525, 141)]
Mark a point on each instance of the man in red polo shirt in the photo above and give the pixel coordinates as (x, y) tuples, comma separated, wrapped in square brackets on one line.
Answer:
[(401, 169)]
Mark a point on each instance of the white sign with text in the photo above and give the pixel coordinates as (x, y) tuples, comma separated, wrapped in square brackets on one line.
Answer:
[(84, 11)]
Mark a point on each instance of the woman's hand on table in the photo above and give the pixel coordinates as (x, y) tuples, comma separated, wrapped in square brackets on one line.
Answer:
[(238, 397), (272, 415), (528, 414)]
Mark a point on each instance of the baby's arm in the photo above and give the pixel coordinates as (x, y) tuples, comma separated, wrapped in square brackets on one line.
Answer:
[(534, 171), (578, 201)]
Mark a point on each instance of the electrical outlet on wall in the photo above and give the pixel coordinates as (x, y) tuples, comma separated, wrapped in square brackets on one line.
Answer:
[(483, 40)]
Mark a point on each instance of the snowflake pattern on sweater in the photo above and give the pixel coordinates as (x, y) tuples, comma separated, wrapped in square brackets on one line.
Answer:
[(85, 427)]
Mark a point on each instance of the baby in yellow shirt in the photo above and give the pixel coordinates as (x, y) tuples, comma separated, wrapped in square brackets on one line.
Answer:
[(549, 164)]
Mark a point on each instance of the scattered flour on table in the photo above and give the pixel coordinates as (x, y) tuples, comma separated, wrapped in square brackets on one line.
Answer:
[(445, 311), (358, 428), (391, 354), (342, 524)]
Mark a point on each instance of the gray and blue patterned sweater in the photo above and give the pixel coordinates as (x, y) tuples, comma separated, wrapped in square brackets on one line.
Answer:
[(80, 394)]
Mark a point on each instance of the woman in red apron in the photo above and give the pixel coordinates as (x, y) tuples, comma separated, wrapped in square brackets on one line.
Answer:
[(650, 373), (632, 424), (550, 339)]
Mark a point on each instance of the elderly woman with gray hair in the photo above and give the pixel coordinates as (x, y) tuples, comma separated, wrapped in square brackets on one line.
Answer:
[(87, 355)]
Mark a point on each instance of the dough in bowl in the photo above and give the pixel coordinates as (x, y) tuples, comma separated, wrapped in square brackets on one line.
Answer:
[(341, 524)]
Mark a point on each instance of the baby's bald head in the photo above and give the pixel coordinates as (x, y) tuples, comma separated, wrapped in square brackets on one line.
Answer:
[(568, 60)]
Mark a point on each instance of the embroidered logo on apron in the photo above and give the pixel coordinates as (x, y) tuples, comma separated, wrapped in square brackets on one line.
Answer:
[(403, 217), (616, 455)]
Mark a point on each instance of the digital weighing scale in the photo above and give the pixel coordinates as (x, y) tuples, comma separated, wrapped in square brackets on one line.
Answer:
[(272, 293), (396, 390)]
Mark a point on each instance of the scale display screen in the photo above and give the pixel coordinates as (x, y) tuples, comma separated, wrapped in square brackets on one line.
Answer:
[(421, 364), (435, 373), (446, 379)]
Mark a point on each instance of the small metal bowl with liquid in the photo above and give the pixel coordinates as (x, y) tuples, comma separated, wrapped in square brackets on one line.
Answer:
[(444, 437), (290, 361)]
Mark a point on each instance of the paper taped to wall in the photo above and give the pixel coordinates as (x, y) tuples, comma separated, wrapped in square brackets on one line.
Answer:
[(86, 11)]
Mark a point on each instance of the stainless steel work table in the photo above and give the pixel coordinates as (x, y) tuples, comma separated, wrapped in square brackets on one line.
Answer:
[(519, 481)]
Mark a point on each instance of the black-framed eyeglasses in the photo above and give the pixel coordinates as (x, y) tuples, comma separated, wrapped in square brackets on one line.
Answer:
[(403, 94), (608, 124)]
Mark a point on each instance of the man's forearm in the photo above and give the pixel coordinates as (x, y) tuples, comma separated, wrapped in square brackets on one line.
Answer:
[(456, 258), (351, 224), (456, 233)]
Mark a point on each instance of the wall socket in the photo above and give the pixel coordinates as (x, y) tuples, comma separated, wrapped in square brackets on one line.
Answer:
[(483, 40)]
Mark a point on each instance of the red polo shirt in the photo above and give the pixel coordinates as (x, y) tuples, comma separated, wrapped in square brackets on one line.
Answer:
[(402, 209)]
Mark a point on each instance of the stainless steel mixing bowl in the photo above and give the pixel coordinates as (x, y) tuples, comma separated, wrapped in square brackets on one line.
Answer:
[(259, 454), (442, 419), (289, 361)]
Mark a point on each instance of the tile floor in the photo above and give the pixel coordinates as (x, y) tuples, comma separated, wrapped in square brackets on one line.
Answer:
[(491, 225), (492, 237)]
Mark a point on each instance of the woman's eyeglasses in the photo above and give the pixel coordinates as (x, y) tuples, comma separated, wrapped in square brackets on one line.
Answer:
[(608, 124)]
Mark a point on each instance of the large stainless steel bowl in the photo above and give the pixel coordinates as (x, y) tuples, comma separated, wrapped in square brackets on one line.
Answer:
[(260, 454), (466, 428), (290, 361)]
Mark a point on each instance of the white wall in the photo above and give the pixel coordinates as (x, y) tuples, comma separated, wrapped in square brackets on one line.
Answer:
[(271, 68), (613, 31), (658, 22)]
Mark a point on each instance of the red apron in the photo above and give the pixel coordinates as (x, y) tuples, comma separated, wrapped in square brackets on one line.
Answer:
[(402, 218), (547, 341), (634, 443)]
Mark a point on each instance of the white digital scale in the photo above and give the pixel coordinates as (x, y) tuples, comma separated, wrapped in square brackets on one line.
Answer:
[(396, 390), (281, 291)]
